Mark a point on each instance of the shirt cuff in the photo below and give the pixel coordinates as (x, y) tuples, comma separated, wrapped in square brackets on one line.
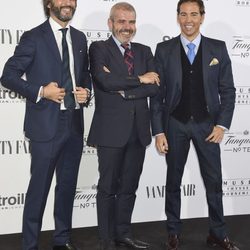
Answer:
[(220, 126), (159, 134), (39, 97)]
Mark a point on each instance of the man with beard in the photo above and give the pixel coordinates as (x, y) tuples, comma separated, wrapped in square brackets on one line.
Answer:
[(54, 58), (123, 76)]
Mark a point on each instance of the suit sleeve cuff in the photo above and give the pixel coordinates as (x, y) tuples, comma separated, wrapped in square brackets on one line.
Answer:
[(220, 126)]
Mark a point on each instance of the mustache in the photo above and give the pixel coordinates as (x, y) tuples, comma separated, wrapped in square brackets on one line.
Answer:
[(127, 30), (68, 7)]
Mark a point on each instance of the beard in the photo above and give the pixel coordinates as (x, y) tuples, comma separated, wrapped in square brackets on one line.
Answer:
[(58, 14), (121, 37)]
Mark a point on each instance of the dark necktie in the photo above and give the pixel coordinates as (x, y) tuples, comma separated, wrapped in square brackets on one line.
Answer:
[(128, 58), (69, 100), (191, 53)]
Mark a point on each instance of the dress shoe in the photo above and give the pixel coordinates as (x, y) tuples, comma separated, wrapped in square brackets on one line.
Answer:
[(225, 244), (173, 242), (107, 245), (67, 246), (132, 243)]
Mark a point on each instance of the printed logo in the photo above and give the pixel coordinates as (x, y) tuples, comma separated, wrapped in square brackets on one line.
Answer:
[(96, 35), (236, 187), (12, 202), (166, 38), (242, 95), (10, 97), (159, 192), (87, 150), (85, 197), (14, 147), (243, 3), (241, 47), (237, 142), (8, 36)]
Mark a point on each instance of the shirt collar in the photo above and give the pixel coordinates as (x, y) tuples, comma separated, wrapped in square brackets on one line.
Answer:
[(56, 26), (196, 41), (118, 43)]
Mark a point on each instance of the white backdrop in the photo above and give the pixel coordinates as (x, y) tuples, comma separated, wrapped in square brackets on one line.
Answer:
[(156, 21)]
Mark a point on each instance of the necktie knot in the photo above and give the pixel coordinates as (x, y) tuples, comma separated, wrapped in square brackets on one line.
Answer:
[(191, 46), (125, 45), (64, 31), (191, 53)]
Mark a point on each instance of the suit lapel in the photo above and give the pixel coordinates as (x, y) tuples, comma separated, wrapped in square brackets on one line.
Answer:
[(76, 51), (175, 62), (207, 56), (137, 59), (50, 40), (116, 53)]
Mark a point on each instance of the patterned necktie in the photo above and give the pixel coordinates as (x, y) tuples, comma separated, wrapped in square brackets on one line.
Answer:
[(69, 100), (128, 58), (191, 53)]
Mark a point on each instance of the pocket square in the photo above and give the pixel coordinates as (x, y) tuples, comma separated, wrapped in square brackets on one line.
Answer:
[(214, 62)]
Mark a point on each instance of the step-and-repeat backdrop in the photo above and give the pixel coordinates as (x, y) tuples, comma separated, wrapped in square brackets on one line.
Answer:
[(156, 21)]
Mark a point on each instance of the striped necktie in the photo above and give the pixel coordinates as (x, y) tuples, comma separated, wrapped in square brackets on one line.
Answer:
[(128, 58)]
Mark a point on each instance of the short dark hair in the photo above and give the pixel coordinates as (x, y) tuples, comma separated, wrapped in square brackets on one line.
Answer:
[(199, 2)]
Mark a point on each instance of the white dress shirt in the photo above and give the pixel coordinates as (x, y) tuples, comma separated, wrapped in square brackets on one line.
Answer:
[(58, 36)]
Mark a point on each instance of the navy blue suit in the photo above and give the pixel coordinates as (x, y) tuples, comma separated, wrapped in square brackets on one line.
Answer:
[(219, 95), (56, 136)]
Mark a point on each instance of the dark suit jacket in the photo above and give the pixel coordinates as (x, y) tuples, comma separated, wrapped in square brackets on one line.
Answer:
[(38, 56), (114, 115), (218, 82)]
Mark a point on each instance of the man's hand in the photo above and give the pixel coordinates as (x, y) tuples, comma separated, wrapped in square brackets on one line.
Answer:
[(81, 94), (150, 78), (217, 135), (53, 93), (161, 143)]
